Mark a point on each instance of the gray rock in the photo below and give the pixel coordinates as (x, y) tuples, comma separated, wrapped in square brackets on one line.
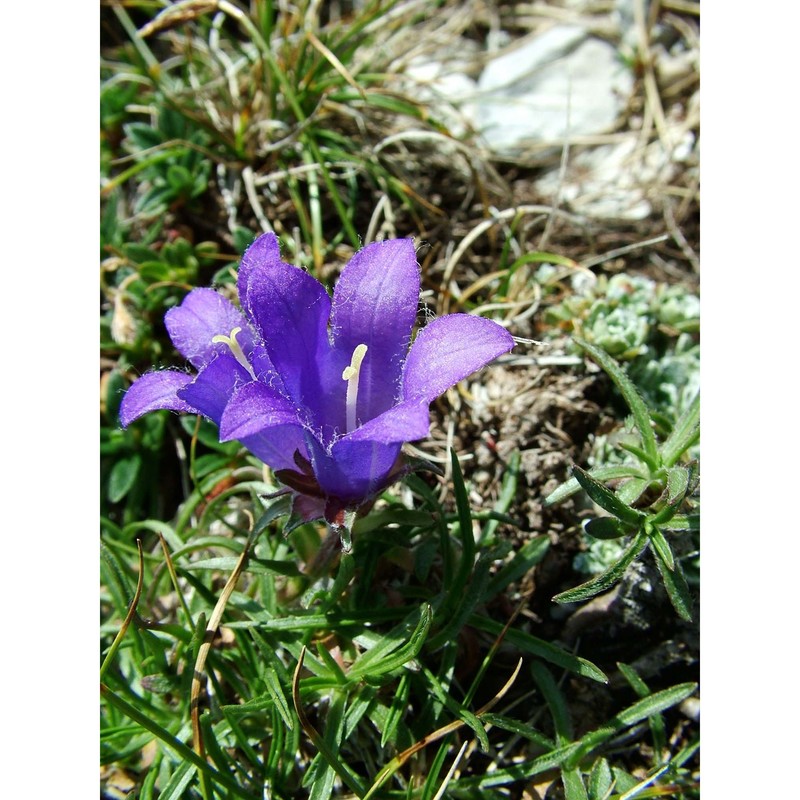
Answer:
[(559, 83)]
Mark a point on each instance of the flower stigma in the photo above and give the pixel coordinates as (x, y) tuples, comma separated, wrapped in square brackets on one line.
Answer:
[(350, 374), (235, 348)]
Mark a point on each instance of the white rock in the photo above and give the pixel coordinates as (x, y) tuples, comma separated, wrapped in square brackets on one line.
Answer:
[(559, 83), (615, 181)]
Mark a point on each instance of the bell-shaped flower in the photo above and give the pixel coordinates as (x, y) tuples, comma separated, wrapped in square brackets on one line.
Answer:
[(323, 390)]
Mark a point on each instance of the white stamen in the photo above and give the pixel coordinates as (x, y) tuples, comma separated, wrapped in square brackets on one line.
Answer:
[(350, 374), (235, 348)]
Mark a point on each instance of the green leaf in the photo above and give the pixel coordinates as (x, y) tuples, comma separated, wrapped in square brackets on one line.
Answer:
[(180, 779), (640, 710), (518, 728), (508, 492), (676, 586), (540, 648), (657, 727), (608, 578), (685, 434), (142, 136), (660, 545), (389, 655), (555, 703), (396, 711), (641, 416), (465, 526), (472, 595), (273, 684), (631, 490), (606, 499), (179, 177), (524, 560), (122, 477), (607, 473), (601, 780), (605, 528), (574, 788), (677, 484), (682, 522)]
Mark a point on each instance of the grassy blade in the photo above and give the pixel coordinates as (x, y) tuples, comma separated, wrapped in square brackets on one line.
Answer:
[(676, 586), (508, 491), (396, 710), (657, 727), (538, 647), (467, 561), (601, 780), (661, 547), (606, 579), (530, 554), (609, 473), (606, 499), (386, 656), (685, 433), (641, 416), (186, 753)]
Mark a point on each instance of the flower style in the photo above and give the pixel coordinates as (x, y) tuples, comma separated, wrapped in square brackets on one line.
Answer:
[(324, 391)]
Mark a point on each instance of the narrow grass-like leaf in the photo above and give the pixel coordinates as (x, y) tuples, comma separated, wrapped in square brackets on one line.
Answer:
[(555, 703), (640, 710), (321, 743), (471, 596), (574, 788), (520, 729), (389, 655), (683, 522), (123, 477), (606, 499), (676, 586), (186, 753), (396, 710), (660, 546), (569, 755), (174, 541), (631, 490), (607, 473), (605, 528), (508, 491), (179, 780), (273, 684), (601, 780), (539, 647), (657, 727), (685, 434), (608, 578), (466, 563), (641, 416), (524, 560)]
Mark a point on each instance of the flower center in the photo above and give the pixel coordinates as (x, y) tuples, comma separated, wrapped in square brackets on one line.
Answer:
[(350, 374), (235, 348)]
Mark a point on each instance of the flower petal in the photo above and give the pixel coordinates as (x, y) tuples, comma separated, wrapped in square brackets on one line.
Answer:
[(291, 308), (355, 470), (214, 386), (264, 250), (406, 422), (253, 408), (153, 391), (375, 303), (201, 316), (266, 423), (447, 350)]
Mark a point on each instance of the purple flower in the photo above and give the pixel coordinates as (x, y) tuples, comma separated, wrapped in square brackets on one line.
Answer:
[(325, 391)]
